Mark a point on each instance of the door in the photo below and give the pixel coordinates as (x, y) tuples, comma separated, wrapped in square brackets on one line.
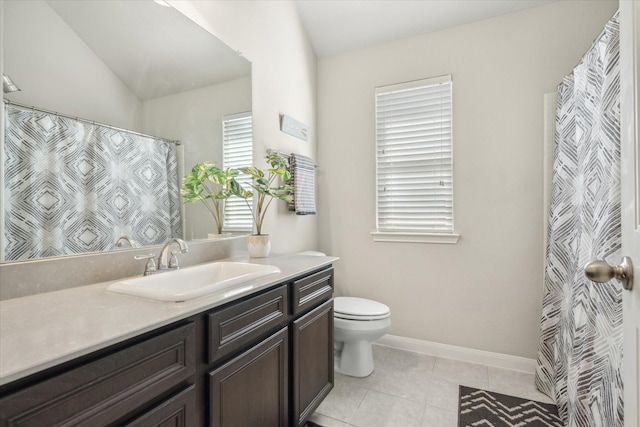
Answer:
[(630, 130)]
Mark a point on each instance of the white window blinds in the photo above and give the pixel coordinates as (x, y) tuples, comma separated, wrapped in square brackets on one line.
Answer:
[(413, 157), (237, 152)]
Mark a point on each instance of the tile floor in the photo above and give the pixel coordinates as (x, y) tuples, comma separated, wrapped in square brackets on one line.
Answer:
[(409, 389)]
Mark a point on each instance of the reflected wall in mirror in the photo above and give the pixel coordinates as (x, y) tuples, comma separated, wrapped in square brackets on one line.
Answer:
[(134, 65)]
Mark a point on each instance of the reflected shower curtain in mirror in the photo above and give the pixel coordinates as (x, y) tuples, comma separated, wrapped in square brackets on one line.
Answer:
[(580, 353), (73, 187)]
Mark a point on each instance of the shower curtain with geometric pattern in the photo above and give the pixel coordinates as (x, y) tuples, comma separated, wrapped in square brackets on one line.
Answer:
[(580, 353), (75, 187)]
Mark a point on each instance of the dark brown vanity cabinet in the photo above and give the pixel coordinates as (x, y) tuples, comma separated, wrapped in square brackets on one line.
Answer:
[(263, 360), (149, 378), (282, 379)]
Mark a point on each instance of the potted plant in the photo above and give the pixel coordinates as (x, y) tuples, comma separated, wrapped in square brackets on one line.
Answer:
[(266, 188), (212, 186)]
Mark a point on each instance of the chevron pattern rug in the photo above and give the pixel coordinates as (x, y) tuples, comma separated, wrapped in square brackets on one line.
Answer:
[(483, 408)]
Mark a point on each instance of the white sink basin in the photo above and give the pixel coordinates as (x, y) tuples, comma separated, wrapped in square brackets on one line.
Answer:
[(192, 282)]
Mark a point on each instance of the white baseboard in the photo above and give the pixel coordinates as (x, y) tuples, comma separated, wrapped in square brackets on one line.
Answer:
[(496, 360)]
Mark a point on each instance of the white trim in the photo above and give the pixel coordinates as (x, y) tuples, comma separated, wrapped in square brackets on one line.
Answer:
[(549, 147), (446, 78), (496, 360), (236, 116), (2, 156), (408, 237)]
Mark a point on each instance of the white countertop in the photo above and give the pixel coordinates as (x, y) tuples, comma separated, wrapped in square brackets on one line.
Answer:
[(41, 331)]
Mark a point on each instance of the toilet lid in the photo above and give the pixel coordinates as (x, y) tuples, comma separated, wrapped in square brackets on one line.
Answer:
[(359, 309)]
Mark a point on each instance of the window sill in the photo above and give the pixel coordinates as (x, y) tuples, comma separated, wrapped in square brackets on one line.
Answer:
[(410, 237)]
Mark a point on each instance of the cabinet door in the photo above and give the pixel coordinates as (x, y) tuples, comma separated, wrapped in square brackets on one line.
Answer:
[(252, 389), (312, 356)]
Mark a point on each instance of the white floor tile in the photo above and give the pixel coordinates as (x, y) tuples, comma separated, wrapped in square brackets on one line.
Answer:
[(459, 372), (387, 358), (326, 421), (383, 410), (402, 373), (436, 417), (355, 381), (342, 402), (443, 394), (407, 384), (410, 389), (515, 383)]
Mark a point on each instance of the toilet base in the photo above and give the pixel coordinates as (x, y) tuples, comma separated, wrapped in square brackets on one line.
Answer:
[(355, 359)]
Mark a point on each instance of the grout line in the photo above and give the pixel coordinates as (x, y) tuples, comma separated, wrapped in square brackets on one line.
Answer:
[(359, 404), (424, 411)]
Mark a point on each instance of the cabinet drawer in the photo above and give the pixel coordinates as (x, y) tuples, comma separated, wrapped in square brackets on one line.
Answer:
[(311, 290), (107, 389), (232, 328), (178, 410)]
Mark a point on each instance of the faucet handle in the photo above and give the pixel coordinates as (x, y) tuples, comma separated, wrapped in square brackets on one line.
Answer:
[(150, 267), (173, 261)]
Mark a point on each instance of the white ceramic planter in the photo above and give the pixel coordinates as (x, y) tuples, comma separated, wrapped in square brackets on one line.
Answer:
[(259, 245)]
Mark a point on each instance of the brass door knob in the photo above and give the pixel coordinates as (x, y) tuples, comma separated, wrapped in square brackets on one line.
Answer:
[(600, 271)]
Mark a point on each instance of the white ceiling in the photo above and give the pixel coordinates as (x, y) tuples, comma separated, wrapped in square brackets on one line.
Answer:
[(339, 26)]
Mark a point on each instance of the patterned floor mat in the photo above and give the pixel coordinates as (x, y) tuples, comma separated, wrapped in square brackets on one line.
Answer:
[(488, 409)]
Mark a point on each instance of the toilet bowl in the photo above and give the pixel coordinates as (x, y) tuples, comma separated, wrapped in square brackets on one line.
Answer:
[(357, 323)]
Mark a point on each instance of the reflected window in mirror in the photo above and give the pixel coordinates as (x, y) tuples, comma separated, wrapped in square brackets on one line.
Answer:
[(237, 152)]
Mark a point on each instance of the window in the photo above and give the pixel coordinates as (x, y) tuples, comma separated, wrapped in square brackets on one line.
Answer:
[(237, 152), (414, 162)]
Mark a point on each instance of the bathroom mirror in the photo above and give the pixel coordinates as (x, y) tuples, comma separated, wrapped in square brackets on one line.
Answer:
[(139, 65)]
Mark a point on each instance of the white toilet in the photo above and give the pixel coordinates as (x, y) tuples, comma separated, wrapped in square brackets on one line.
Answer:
[(357, 323)]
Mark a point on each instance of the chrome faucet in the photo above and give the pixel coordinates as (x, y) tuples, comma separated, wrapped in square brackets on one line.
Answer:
[(124, 240), (164, 263)]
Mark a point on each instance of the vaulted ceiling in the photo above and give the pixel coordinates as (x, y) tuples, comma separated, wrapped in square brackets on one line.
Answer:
[(338, 26)]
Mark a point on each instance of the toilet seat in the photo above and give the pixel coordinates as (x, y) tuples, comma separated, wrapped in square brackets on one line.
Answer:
[(351, 308)]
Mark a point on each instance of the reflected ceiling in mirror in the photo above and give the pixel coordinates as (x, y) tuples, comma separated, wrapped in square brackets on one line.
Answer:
[(134, 65), (154, 50)]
